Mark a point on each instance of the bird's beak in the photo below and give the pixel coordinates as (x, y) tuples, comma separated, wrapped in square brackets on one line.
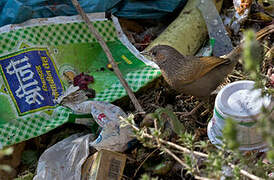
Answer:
[(146, 53)]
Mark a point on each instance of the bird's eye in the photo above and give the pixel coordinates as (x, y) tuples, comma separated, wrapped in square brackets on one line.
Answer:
[(154, 53)]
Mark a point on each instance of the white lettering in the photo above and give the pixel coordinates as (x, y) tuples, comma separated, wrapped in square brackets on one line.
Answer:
[(29, 90)]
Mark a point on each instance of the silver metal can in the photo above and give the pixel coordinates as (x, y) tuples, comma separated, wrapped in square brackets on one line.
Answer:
[(241, 102)]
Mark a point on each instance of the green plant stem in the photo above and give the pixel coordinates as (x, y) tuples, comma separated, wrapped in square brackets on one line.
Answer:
[(196, 153)]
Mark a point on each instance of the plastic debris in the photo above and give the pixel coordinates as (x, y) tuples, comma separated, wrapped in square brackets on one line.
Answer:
[(33, 78), (107, 116), (64, 160), (242, 9), (17, 11)]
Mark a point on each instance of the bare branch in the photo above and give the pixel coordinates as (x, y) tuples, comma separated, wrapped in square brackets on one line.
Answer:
[(196, 153), (175, 157), (109, 55)]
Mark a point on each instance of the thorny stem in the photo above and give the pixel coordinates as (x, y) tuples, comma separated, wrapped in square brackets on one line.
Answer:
[(109, 55), (196, 153)]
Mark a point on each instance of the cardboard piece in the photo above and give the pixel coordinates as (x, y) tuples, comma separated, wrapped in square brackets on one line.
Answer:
[(104, 165)]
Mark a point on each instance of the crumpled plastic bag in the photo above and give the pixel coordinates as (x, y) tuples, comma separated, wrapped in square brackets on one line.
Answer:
[(17, 11), (112, 137), (64, 160), (106, 115)]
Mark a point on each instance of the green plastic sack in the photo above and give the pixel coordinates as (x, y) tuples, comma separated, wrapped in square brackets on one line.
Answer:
[(37, 60)]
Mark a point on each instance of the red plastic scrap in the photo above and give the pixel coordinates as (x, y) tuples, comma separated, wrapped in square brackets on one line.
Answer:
[(83, 80)]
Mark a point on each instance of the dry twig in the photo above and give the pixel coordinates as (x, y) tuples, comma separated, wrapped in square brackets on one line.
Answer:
[(191, 112), (185, 150), (144, 161), (175, 157), (109, 55)]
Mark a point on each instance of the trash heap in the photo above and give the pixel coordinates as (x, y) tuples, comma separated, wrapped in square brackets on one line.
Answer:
[(202, 80)]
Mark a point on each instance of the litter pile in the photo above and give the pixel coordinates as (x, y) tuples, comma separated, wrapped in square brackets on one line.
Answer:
[(136, 89)]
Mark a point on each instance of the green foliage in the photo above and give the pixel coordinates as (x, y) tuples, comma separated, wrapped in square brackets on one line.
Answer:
[(236, 172), (147, 177), (219, 160), (230, 134), (187, 139), (28, 176), (252, 53), (265, 127), (252, 61)]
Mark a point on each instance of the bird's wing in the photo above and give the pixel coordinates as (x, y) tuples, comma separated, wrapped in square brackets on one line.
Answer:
[(210, 62), (200, 66)]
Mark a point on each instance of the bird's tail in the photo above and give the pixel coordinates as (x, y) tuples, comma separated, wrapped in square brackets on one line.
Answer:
[(235, 54)]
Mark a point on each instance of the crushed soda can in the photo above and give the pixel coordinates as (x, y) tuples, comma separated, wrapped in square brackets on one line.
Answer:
[(104, 165), (241, 102)]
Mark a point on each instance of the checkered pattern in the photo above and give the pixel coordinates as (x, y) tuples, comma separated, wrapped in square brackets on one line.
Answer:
[(30, 126), (39, 123), (56, 34), (135, 80)]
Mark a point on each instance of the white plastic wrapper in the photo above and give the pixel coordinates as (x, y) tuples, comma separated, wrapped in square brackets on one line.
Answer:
[(112, 137), (64, 160)]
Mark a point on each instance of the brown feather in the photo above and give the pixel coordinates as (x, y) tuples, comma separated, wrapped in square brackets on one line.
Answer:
[(182, 73)]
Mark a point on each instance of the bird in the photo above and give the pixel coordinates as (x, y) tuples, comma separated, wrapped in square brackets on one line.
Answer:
[(196, 76)]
